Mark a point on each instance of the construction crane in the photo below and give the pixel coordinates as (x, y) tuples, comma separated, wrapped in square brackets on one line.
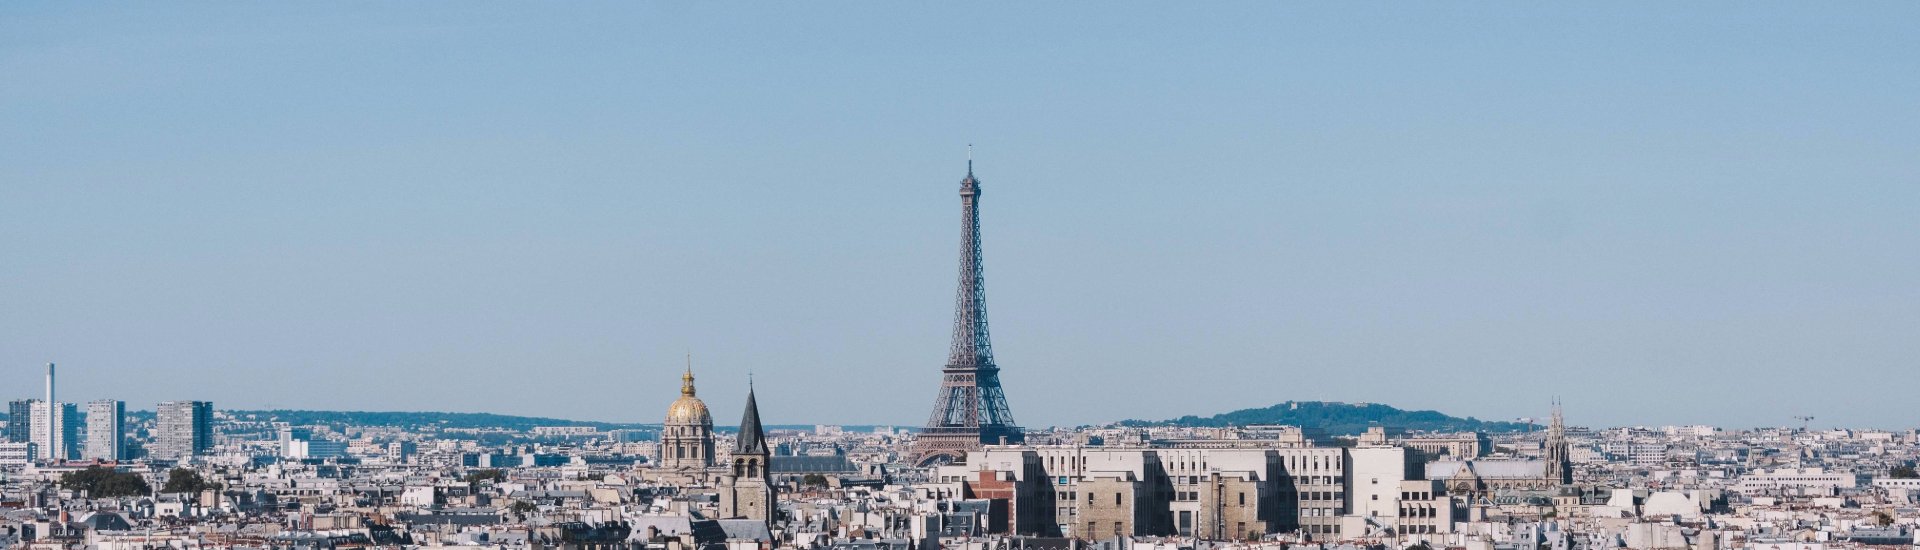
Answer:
[(1803, 421)]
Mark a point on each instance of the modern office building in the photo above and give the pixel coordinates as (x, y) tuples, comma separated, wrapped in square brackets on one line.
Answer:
[(183, 429), (20, 420), (106, 430), (51, 425), (300, 444), (17, 453), (55, 429)]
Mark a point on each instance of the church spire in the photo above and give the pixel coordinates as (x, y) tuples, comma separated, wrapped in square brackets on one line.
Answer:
[(753, 439), (1557, 429), (1558, 453)]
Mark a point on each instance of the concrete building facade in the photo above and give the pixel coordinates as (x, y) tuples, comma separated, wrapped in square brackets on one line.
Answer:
[(183, 429), (106, 430)]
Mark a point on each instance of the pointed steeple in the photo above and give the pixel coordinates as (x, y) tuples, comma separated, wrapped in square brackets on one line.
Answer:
[(753, 439), (1557, 429), (1558, 452)]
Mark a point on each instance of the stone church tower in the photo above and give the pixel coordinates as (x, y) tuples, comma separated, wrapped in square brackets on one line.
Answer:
[(686, 438), (745, 492), (1559, 469)]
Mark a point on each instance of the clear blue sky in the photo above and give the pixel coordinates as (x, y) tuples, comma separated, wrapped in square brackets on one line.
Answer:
[(1663, 212)]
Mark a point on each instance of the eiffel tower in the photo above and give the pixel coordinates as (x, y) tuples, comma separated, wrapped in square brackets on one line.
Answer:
[(971, 409)]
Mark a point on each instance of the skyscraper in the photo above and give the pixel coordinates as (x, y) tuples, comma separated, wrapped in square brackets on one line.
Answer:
[(20, 420), (55, 429), (183, 429), (106, 430), (971, 408), (51, 425)]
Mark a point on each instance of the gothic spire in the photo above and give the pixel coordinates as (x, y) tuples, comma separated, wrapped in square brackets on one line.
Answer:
[(753, 439), (1558, 428)]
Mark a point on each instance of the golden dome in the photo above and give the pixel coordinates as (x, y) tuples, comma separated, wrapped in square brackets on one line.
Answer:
[(688, 409)]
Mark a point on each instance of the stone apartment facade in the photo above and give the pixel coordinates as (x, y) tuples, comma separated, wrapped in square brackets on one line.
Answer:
[(1326, 493)]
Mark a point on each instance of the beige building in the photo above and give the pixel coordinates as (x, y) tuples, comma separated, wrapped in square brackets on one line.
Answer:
[(1325, 493)]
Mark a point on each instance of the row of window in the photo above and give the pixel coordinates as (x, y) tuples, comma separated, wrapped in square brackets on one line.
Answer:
[(1321, 529)]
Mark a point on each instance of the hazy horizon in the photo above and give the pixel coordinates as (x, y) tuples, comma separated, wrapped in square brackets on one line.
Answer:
[(1660, 213)]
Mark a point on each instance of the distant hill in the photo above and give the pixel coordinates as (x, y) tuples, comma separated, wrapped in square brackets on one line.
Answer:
[(1338, 418), (417, 419), (420, 419)]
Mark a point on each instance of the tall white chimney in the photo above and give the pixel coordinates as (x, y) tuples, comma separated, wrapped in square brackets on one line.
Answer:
[(49, 386)]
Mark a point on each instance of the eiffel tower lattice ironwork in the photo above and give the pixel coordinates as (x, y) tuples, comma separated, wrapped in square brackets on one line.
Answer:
[(971, 408)]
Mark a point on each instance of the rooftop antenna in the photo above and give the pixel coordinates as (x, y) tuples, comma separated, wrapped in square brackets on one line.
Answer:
[(969, 159)]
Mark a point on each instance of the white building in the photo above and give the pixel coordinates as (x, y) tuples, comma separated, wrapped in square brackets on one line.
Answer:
[(106, 430), (54, 431), (1799, 480), (16, 454), (299, 444)]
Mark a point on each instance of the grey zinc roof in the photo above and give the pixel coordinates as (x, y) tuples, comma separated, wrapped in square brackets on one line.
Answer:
[(745, 529), (1489, 468), (811, 465)]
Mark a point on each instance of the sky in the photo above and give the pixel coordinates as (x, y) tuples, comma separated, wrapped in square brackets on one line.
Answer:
[(1663, 213)]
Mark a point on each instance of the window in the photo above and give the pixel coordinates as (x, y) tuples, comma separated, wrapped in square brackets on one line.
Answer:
[(1116, 502), (1243, 499)]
